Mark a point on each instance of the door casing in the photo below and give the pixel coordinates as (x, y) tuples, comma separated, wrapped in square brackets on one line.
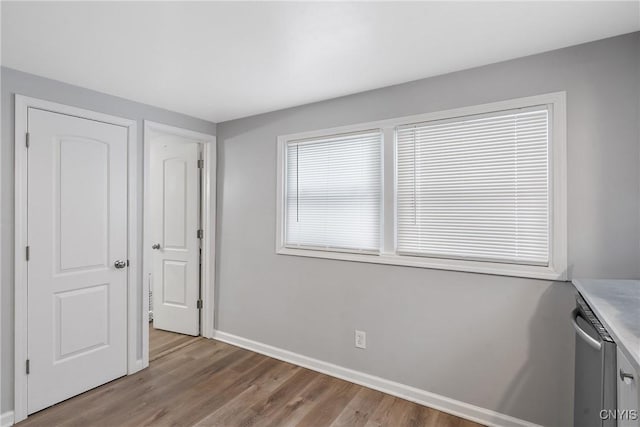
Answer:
[(134, 305), (208, 215)]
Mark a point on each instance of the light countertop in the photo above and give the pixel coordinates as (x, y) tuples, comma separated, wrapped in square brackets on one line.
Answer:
[(617, 304)]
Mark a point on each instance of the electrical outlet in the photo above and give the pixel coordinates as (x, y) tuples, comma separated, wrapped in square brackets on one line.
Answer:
[(361, 339)]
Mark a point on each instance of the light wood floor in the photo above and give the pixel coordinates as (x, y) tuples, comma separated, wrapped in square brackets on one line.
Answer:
[(161, 343), (196, 381)]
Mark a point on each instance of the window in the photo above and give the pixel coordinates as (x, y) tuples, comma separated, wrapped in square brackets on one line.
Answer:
[(479, 189), (475, 187), (333, 192)]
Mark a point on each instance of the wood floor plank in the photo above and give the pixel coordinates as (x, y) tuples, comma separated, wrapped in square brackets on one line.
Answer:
[(331, 405), (382, 414), (231, 413), (448, 420), (419, 416), (360, 409), (162, 342), (182, 398), (298, 407), (411, 415), (206, 398), (265, 409), (194, 381)]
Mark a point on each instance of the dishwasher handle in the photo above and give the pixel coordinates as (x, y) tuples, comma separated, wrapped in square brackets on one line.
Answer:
[(585, 336)]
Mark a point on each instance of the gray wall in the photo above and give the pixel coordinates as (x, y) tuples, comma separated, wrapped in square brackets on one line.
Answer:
[(497, 342), (27, 84)]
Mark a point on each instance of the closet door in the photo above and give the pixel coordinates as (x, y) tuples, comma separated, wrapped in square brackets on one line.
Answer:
[(77, 259), (175, 221)]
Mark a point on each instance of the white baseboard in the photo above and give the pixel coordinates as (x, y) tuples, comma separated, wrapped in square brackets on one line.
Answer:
[(6, 419), (422, 397)]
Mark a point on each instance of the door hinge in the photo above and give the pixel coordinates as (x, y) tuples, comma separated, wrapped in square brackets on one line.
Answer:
[(199, 304), (27, 252), (200, 164), (28, 367), (200, 234), (28, 140)]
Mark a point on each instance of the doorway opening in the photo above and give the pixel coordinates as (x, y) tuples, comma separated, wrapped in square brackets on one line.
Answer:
[(179, 236)]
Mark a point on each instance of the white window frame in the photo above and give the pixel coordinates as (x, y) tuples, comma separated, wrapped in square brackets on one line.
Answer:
[(557, 267)]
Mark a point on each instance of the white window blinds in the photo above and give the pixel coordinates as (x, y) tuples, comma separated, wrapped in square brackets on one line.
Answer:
[(475, 187), (334, 192)]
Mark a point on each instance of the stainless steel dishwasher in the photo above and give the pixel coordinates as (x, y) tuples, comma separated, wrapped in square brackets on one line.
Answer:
[(595, 369)]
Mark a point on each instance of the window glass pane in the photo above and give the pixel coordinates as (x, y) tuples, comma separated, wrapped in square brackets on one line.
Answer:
[(475, 187), (333, 192)]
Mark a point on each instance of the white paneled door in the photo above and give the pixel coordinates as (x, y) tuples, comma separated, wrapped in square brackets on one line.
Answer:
[(175, 221), (77, 256)]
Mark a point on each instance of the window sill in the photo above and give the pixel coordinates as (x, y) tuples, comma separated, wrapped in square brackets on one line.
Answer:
[(513, 270)]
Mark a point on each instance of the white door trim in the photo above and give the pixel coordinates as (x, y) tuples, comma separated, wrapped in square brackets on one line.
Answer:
[(134, 364), (208, 224)]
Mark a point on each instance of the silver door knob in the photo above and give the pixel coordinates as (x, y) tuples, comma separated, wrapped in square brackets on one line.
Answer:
[(156, 246), (120, 264)]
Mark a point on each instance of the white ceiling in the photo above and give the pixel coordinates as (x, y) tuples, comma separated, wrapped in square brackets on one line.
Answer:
[(220, 61)]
